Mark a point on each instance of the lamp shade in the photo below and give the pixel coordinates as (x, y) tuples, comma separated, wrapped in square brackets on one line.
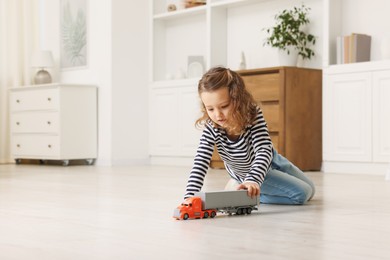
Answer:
[(42, 59)]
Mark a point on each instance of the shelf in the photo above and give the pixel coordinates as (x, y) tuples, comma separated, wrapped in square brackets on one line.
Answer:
[(358, 67), (234, 3), (180, 13), (219, 32), (341, 18), (175, 83)]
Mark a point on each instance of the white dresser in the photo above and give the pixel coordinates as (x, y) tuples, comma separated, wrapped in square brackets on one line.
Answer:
[(54, 122)]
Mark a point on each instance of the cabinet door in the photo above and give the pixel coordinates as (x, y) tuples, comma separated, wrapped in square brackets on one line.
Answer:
[(381, 116), (163, 121), (173, 112), (347, 117), (189, 109)]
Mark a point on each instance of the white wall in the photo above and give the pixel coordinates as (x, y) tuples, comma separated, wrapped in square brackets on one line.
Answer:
[(130, 81), (242, 36), (112, 66)]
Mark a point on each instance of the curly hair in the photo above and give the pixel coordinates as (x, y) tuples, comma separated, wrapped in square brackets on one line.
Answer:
[(244, 108)]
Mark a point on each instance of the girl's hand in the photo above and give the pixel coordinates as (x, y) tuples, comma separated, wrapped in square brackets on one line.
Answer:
[(252, 188)]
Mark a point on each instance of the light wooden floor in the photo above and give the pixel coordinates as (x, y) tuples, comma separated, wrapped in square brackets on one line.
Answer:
[(90, 212)]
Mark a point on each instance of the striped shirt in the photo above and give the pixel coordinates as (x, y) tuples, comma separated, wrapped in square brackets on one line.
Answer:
[(246, 159)]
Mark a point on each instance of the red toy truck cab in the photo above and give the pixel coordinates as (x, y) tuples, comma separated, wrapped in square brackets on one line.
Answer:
[(192, 208)]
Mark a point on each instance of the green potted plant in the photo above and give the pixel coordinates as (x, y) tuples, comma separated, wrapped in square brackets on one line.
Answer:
[(288, 35)]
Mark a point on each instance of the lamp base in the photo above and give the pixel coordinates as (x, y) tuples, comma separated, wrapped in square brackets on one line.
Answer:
[(42, 77)]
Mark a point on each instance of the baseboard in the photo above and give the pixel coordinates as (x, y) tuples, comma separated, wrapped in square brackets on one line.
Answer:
[(171, 161), (6, 160), (356, 167)]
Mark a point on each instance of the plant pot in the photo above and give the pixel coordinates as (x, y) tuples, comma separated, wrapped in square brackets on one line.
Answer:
[(286, 59)]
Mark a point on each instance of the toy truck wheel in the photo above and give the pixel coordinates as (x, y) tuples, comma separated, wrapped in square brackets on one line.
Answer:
[(239, 211), (248, 211), (213, 214), (185, 216), (206, 215)]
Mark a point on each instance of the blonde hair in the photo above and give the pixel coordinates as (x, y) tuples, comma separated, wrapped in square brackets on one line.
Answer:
[(244, 109)]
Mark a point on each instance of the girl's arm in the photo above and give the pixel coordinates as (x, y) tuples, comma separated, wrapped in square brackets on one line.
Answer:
[(262, 146), (201, 163)]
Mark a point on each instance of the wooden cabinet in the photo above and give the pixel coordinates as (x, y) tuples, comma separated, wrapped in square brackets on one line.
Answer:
[(291, 100), (54, 122)]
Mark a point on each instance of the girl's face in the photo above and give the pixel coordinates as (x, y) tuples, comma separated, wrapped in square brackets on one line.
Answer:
[(218, 105)]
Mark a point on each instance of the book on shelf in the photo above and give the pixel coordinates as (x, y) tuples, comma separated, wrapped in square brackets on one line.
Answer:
[(353, 48)]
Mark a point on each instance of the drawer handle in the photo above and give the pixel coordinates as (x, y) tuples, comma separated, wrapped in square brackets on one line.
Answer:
[(49, 145), (48, 122), (17, 123), (49, 99), (18, 145), (17, 101)]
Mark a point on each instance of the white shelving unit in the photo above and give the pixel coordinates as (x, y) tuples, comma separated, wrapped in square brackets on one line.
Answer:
[(218, 31), (356, 126)]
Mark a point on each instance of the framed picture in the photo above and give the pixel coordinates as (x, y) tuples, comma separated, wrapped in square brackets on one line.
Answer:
[(73, 38)]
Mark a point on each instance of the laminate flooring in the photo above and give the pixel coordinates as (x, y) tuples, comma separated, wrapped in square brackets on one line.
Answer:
[(95, 212)]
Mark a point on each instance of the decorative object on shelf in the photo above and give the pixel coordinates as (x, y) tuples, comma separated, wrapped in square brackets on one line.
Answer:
[(195, 67), (288, 34), (169, 76), (242, 65), (73, 30), (171, 8), (42, 60), (291, 59), (180, 74), (193, 3), (353, 48)]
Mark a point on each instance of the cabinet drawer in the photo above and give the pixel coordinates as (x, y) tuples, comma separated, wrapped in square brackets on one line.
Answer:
[(271, 115), (275, 140), (38, 122), (263, 87), (37, 99), (35, 146)]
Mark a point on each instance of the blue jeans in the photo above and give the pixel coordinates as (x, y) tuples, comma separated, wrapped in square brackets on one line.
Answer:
[(285, 183)]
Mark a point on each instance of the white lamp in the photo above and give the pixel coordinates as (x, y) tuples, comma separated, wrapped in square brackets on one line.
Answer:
[(42, 60)]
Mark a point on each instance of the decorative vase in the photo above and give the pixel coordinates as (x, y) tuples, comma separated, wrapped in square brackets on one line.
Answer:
[(242, 65), (288, 59)]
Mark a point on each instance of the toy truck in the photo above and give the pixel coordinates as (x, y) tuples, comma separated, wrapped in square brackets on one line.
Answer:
[(207, 204)]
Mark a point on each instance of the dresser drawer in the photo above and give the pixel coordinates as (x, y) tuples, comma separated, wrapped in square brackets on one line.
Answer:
[(35, 146), (275, 140), (263, 87), (36, 99), (35, 122), (271, 113)]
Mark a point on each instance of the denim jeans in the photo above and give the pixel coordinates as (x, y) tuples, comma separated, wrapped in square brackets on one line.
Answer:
[(285, 183)]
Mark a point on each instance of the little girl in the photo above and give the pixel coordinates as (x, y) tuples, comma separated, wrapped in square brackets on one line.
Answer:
[(235, 125)]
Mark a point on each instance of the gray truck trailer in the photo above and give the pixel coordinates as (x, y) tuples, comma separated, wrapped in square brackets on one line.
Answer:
[(228, 201)]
